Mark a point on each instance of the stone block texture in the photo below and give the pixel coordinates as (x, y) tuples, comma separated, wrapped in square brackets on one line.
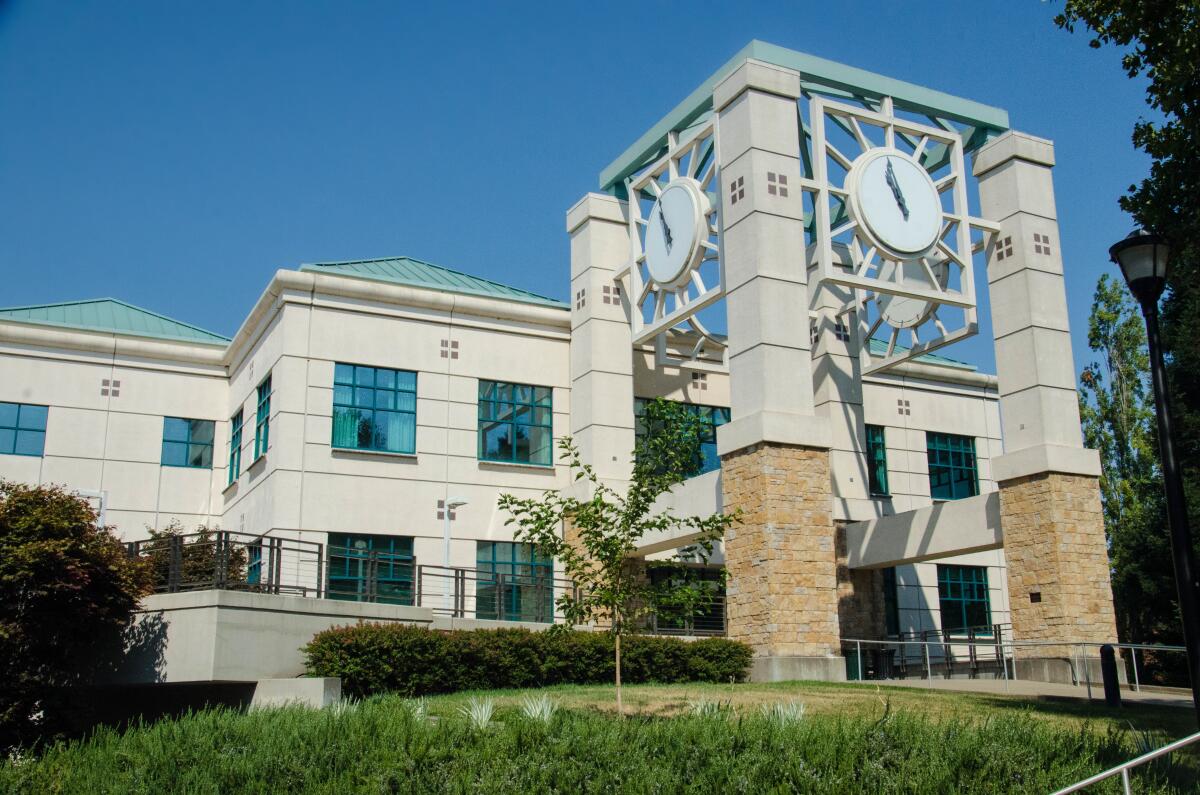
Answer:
[(860, 595), (782, 592), (1058, 570)]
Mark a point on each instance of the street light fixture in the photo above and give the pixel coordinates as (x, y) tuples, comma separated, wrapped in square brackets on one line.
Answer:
[(1143, 259)]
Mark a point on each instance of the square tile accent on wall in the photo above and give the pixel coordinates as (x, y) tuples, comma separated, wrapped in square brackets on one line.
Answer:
[(814, 333), (737, 190), (581, 298), (700, 380), (110, 388), (1004, 249), (1041, 243), (612, 294), (903, 408), (449, 349), (777, 184), (840, 330), (441, 512)]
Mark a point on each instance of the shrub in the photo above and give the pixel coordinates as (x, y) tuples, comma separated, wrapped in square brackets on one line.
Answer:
[(378, 658), (67, 593)]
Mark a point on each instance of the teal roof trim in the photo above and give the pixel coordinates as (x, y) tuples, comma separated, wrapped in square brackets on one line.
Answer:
[(816, 73), (415, 273), (879, 348), (112, 316)]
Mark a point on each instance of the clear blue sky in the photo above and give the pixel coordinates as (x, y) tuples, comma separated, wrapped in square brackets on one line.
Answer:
[(175, 154)]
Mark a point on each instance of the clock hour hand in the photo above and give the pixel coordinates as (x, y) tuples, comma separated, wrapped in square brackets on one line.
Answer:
[(894, 184), (666, 229)]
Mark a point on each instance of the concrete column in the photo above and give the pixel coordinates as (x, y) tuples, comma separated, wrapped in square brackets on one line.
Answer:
[(782, 587), (601, 341), (1050, 512)]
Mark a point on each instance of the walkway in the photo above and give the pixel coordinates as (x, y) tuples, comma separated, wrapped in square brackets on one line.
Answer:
[(1166, 697)]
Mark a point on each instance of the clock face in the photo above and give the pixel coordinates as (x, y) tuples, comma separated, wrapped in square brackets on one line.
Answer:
[(896, 201), (676, 225), (900, 311)]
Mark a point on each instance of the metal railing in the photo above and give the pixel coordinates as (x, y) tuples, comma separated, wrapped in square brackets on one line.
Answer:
[(1124, 768), (226, 560)]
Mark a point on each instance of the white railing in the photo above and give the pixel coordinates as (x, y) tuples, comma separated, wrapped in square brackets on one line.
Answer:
[(1124, 768)]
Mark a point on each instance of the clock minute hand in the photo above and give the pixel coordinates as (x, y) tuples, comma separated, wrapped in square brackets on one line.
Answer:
[(667, 238), (894, 184)]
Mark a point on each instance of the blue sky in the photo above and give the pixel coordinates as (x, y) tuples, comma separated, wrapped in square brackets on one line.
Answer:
[(176, 154)]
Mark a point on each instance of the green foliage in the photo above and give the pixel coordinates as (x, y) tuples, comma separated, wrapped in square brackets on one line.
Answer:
[(1160, 42), (605, 525), (381, 746), (67, 592), (395, 658), (202, 561)]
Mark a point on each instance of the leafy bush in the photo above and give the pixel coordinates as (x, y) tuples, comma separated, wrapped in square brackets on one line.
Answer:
[(200, 560), (380, 658), (67, 592)]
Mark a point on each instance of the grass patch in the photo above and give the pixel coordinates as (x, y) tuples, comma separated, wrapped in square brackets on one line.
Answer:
[(850, 738)]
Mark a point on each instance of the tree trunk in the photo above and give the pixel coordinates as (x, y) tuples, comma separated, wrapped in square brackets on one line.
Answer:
[(617, 646)]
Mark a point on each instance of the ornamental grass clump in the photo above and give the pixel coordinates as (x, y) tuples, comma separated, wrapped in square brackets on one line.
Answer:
[(539, 708)]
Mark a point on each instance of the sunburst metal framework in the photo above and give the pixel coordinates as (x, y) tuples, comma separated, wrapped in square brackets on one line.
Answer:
[(660, 310), (904, 293)]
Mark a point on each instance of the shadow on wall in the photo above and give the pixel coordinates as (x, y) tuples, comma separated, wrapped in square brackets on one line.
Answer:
[(140, 656)]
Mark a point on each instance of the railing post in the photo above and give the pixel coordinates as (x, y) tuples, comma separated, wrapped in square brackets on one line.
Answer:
[(858, 644), (501, 596), (174, 563), (418, 590), (928, 668), (1086, 670)]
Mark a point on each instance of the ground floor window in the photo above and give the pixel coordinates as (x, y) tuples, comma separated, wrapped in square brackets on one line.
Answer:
[(704, 618), (952, 470), (963, 594), (891, 602), (371, 568), (514, 583)]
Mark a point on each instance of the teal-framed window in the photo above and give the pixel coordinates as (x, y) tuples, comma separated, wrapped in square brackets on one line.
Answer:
[(23, 429), (235, 446), (371, 568), (952, 469), (262, 418), (964, 598), (187, 443), (254, 563), (891, 602), (514, 583), (374, 408), (877, 471), (701, 618), (712, 417), (516, 423)]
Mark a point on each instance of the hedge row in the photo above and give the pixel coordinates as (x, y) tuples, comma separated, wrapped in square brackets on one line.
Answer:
[(379, 658)]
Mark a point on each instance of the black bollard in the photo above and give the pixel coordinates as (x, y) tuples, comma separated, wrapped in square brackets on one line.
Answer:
[(1108, 670)]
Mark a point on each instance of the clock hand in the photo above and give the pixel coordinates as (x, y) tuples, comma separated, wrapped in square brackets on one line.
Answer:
[(667, 238), (894, 184)]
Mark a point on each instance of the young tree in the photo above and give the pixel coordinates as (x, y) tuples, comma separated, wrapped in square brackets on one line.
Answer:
[(595, 537), (67, 592)]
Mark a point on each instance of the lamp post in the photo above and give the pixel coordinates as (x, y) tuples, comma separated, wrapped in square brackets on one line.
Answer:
[(450, 506), (1142, 258)]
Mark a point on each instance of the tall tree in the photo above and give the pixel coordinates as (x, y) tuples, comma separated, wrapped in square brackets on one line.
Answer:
[(1160, 40)]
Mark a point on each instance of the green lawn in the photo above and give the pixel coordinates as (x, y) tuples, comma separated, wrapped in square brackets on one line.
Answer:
[(851, 738)]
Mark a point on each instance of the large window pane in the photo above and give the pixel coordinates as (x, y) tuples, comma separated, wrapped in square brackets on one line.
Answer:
[(952, 468), (22, 429), (515, 423), (712, 418), (370, 568), (379, 413), (877, 461), (964, 598), (515, 583), (187, 443), (33, 418)]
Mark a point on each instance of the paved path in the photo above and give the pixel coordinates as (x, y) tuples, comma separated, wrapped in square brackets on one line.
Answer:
[(1174, 697)]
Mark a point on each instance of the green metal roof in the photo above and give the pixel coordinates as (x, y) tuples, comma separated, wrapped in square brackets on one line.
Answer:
[(879, 348), (113, 316), (415, 273), (817, 75)]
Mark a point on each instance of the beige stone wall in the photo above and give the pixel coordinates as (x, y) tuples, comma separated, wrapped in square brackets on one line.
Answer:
[(782, 595), (859, 595), (1055, 545)]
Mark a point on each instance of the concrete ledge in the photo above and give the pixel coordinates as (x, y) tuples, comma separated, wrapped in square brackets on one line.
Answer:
[(316, 692), (1013, 145), (788, 669), (774, 427), (758, 75), (594, 205), (1046, 458), (937, 531), (698, 496)]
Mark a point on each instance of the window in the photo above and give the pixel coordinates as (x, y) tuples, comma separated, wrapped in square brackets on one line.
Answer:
[(515, 582), (235, 446), (254, 563), (952, 473), (698, 619), (187, 443), (370, 568), (963, 593), (891, 603), (262, 419), (374, 409), (712, 417), (515, 423), (22, 429), (877, 474)]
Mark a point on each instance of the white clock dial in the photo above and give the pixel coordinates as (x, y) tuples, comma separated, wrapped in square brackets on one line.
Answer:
[(895, 200), (900, 311), (676, 225)]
